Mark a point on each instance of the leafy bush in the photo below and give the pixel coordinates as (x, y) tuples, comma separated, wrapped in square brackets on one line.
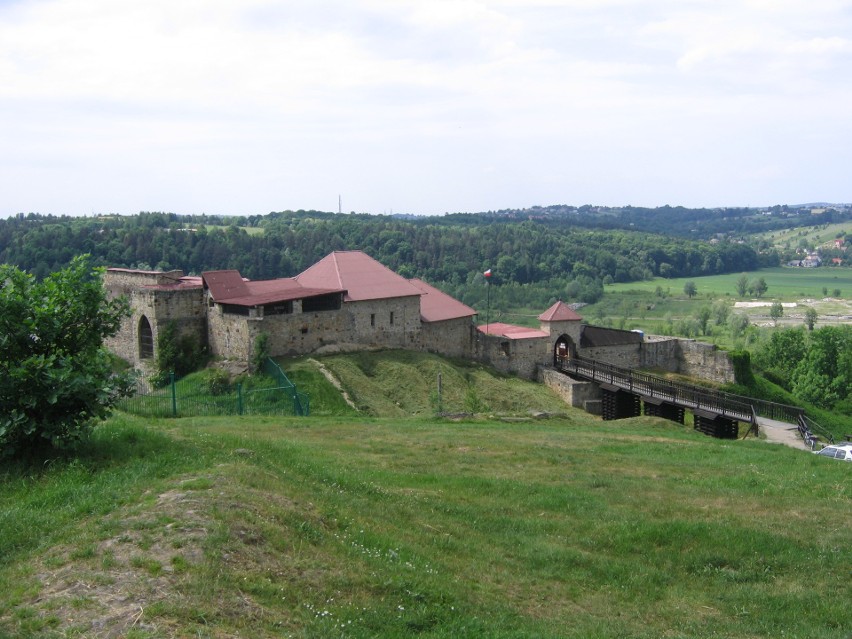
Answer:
[(218, 381), (180, 354), (55, 376)]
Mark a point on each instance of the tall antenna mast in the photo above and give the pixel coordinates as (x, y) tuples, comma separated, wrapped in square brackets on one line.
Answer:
[(339, 204)]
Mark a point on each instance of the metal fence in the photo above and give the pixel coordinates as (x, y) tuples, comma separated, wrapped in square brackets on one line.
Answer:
[(211, 394)]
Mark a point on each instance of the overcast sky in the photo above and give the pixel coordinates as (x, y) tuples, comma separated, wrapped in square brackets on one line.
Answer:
[(422, 106)]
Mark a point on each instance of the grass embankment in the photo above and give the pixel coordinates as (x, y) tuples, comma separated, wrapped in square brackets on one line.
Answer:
[(405, 384), (364, 527)]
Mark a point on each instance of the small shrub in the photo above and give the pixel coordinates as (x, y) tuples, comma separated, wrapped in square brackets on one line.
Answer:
[(217, 381)]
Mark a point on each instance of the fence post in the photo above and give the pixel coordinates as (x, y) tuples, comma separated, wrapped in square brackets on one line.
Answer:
[(174, 393), (240, 398)]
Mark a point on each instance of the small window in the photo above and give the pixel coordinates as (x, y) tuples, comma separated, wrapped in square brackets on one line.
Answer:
[(391, 318), (372, 319), (146, 339)]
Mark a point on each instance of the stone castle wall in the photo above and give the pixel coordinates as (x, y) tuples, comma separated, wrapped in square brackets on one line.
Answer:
[(385, 323), (454, 338), (183, 306), (521, 357)]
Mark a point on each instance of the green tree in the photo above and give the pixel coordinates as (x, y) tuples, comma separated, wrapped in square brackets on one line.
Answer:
[(721, 310), (759, 287), (55, 375), (739, 323), (810, 317), (775, 312), (824, 375), (782, 353), (703, 317), (742, 285), (690, 289)]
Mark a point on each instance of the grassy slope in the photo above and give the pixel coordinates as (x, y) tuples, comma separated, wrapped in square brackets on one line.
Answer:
[(357, 526), (405, 383)]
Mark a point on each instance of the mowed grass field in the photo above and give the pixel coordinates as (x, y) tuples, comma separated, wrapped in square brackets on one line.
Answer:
[(401, 527), (784, 283)]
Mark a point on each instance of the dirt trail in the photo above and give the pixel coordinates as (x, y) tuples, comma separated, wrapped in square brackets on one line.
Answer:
[(781, 433)]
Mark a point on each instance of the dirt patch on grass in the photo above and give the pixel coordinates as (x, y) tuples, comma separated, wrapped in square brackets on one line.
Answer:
[(102, 588)]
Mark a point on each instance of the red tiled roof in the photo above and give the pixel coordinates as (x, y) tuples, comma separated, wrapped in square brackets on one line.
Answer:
[(230, 288), (225, 285), (437, 306), (510, 331), (559, 312), (360, 275)]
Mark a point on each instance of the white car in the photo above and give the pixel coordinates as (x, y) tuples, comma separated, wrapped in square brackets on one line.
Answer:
[(842, 451)]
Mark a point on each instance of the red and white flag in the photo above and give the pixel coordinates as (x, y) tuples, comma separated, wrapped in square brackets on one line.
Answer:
[(487, 273)]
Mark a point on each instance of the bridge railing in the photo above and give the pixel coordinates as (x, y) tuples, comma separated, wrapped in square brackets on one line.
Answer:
[(719, 402)]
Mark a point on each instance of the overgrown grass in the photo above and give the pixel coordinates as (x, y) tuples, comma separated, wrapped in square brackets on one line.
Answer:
[(342, 527)]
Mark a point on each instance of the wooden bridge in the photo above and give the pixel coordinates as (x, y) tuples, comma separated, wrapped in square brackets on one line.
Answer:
[(716, 413)]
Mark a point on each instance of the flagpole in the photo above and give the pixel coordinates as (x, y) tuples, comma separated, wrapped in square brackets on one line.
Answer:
[(487, 275), (488, 302)]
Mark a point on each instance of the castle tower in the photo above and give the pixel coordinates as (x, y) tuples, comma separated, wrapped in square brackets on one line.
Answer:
[(563, 324)]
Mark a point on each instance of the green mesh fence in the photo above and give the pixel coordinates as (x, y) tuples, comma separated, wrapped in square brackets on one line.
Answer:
[(210, 394)]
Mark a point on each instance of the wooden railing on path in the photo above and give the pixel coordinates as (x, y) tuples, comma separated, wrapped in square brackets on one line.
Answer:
[(679, 393)]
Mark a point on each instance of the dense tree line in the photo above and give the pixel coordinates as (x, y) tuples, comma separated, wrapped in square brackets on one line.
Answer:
[(814, 365), (529, 257)]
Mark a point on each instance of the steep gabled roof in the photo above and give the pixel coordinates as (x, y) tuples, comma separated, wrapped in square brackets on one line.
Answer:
[(510, 331), (559, 312), (437, 306), (360, 275)]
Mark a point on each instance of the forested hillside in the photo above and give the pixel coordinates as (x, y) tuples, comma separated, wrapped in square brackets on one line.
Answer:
[(535, 259)]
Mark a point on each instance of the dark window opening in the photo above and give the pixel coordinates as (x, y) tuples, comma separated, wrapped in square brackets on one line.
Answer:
[(391, 318), (372, 319), (281, 308), (146, 339), (235, 310), (322, 303), (505, 347)]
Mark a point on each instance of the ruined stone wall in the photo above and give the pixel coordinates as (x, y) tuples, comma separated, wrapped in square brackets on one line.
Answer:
[(123, 281), (184, 306), (662, 354), (453, 338), (705, 361), (688, 357), (575, 393), (623, 355), (520, 357)]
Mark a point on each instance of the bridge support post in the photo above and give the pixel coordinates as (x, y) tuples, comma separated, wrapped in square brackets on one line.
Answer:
[(655, 407), (716, 425), (617, 403)]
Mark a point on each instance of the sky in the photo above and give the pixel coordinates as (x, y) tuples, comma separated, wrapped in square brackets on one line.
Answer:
[(241, 107)]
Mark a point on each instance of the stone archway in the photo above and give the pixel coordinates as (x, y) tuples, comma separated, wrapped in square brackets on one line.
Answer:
[(564, 348), (146, 339)]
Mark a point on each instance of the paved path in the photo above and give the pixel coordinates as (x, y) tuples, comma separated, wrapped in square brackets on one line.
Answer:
[(781, 433)]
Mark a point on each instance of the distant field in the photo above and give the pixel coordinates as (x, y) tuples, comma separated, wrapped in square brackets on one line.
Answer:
[(784, 283), (815, 235), (251, 230)]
